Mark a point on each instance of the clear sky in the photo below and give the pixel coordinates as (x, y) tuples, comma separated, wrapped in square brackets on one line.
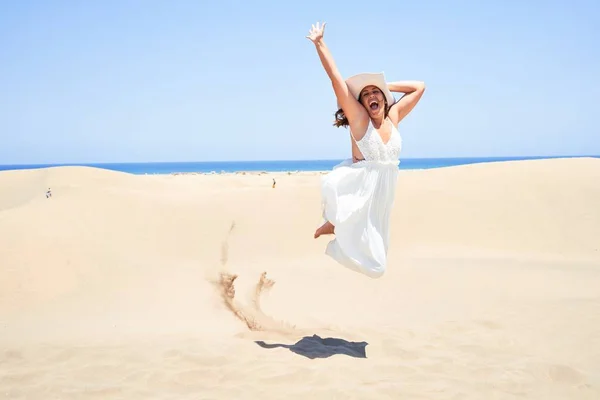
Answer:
[(184, 80)]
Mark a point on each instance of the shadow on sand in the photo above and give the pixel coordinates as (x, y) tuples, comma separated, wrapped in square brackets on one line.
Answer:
[(317, 347)]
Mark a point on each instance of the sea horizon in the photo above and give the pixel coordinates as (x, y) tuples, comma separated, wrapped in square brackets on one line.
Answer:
[(173, 167)]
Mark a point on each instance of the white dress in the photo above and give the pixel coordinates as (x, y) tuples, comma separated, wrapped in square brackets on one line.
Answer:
[(358, 198)]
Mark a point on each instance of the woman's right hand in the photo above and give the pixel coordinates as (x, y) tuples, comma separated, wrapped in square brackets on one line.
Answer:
[(316, 32)]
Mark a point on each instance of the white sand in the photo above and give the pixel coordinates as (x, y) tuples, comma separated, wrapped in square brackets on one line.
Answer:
[(110, 289)]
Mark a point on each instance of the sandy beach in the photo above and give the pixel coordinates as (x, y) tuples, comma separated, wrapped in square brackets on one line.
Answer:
[(211, 286)]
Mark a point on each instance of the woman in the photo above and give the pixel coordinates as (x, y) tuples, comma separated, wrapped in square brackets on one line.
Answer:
[(358, 194)]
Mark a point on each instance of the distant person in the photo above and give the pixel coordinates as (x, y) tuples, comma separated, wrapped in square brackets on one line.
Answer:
[(274, 183), (48, 193), (358, 193)]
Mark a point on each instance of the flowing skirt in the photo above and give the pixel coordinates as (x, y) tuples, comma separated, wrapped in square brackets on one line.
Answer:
[(357, 199)]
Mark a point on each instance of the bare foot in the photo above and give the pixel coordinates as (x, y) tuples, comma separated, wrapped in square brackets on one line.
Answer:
[(326, 229)]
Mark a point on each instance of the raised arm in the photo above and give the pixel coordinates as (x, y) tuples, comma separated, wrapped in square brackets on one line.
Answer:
[(352, 108), (413, 92)]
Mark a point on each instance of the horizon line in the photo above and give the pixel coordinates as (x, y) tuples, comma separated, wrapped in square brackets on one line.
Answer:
[(290, 160)]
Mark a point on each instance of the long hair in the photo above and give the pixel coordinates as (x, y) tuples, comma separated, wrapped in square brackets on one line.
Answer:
[(342, 121)]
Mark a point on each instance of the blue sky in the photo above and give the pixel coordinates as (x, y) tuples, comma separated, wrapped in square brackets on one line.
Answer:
[(119, 81)]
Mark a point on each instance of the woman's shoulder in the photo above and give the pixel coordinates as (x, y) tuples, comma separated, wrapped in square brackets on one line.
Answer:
[(392, 122)]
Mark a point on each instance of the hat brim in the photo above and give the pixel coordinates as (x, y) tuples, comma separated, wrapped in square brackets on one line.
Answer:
[(357, 83)]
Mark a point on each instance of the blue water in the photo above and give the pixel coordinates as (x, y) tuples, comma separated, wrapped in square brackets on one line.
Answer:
[(269, 166)]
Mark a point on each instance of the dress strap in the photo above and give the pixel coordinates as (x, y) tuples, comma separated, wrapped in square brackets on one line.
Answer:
[(369, 126), (356, 159), (352, 135)]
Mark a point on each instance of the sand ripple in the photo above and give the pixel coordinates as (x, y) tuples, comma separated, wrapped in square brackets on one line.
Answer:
[(435, 366)]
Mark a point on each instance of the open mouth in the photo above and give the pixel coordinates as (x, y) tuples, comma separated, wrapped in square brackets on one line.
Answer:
[(373, 105)]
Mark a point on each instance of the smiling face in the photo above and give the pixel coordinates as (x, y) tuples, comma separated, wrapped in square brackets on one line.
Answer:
[(372, 98)]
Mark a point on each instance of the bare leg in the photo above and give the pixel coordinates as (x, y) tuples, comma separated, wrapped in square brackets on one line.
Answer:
[(326, 229)]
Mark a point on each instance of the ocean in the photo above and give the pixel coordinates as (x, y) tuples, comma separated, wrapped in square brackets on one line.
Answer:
[(268, 166)]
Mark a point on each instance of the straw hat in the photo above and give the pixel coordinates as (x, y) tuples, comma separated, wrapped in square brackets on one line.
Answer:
[(358, 82)]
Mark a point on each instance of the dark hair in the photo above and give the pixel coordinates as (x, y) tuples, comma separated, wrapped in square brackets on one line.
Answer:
[(341, 120)]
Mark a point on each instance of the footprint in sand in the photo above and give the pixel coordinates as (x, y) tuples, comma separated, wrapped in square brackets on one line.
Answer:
[(253, 316)]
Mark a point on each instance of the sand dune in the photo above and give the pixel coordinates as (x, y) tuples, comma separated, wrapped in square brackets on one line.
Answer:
[(212, 287)]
